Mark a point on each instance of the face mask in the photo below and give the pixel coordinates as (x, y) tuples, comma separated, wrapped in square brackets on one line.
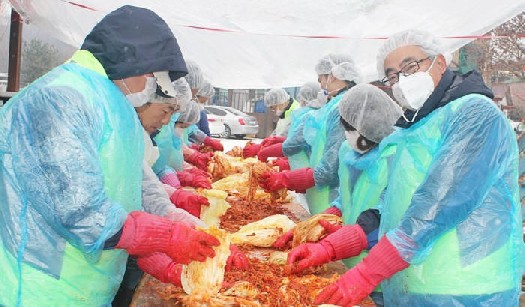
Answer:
[(351, 138), (179, 132), (322, 97), (141, 98), (412, 91), (279, 112)]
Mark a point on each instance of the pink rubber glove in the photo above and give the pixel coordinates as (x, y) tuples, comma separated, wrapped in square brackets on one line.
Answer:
[(283, 241), (382, 262), (250, 150), (171, 179), (334, 211), (237, 259), (213, 143), (189, 201), (198, 159), (145, 233), (275, 150), (298, 180), (162, 267), (282, 163), (189, 179), (272, 140), (347, 242)]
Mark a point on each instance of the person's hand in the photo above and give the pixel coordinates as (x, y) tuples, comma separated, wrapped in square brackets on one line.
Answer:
[(329, 227), (161, 267), (145, 233), (275, 150), (333, 210), (283, 241), (382, 262), (308, 255), (272, 140), (237, 259), (213, 143), (194, 179), (272, 181), (188, 201), (298, 180), (250, 150), (171, 179), (282, 163), (198, 159)]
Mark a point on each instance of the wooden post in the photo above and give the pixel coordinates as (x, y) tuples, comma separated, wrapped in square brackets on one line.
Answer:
[(15, 52)]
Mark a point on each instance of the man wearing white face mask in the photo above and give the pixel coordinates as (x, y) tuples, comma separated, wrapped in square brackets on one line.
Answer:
[(279, 102), (72, 169), (451, 222)]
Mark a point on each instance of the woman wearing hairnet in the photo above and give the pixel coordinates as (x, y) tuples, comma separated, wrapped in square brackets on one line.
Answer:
[(71, 169), (204, 94), (195, 79), (368, 115), (295, 146), (324, 133), (278, 101), (451, 222)]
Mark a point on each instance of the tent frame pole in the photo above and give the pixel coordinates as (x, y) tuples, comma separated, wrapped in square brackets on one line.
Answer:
[(15, 51)]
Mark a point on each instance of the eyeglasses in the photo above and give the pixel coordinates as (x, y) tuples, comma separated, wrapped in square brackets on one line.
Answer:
[(407, 70)]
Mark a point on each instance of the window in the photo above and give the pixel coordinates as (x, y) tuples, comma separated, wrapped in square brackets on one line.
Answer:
[(216, 111)]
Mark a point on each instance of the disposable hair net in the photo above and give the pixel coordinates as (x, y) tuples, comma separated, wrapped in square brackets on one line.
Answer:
[(307, 95), (346, 71), (370, 111), (183, 91), (431, 45), (325, 64), (190, 114), (206, 90), (194, 77), (275, 96)]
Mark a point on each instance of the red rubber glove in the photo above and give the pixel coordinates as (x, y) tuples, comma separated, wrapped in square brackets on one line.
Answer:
[(283, 241), (250, 150), (275, 150), (382, 262), (196, 171), (298, 180), (329, 227), (347, 242), (145, 234), (198, 159), (171, 179), (272, 140), (334, 211), (213, 143), (237, 259), (188, 201), (162, 267), (282, 163), (188, 179)]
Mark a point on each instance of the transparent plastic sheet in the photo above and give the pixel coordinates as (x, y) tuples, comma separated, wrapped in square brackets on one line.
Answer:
[(71, 169), (170, 148), (295, 146), (456, 215), (195, 136)]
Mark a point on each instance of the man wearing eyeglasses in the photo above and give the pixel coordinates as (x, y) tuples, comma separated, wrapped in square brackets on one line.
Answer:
[(450, 221)]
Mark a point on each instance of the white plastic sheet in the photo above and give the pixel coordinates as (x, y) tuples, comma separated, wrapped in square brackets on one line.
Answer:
[(275, 43)]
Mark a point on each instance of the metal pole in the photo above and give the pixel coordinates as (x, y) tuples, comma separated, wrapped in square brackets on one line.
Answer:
[(15, 51)]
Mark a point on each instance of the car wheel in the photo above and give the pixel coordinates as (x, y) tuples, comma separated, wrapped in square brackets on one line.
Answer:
[(227, 132), (240, 136)]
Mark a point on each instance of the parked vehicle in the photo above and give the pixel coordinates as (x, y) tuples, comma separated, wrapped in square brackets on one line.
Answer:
[(236, 123), (216, 127)]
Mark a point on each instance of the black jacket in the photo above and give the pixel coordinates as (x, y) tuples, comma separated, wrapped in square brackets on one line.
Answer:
[(451, 87), (132, 41)]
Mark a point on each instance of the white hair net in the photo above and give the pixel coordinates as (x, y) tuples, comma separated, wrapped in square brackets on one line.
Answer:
[(206, 90), (275, 96), (370, 111), (431, 45), (347, 71), (190, 114), (182, 94), (194, 77), (307, 95), (326, 63)]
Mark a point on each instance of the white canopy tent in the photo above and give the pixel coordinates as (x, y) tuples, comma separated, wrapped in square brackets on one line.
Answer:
[(263, 44)]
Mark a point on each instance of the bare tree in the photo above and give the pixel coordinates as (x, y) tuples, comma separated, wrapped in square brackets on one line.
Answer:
[(37, 59)]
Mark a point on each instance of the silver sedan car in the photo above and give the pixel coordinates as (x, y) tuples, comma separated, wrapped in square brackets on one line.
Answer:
[(236, 123)]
